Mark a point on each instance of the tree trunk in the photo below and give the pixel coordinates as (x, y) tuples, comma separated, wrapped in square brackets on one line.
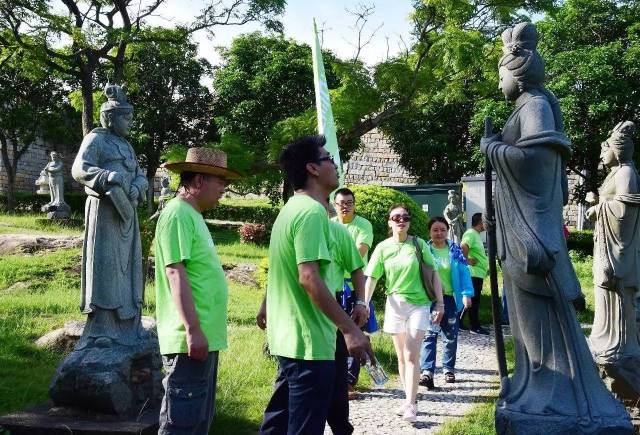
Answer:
[(9, 168), (151, 173), (86, 86)]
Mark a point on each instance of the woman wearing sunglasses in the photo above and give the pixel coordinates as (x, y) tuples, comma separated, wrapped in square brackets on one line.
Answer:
[(457, 290), (407, 308)]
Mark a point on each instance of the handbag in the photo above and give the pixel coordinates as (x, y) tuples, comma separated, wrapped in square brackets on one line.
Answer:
[(428, 275)]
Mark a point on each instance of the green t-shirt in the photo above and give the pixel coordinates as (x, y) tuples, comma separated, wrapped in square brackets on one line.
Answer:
[(183, 237), (398, 263), (476, 251), (360, 231), (296, 327), (443, 267), (345, 257)]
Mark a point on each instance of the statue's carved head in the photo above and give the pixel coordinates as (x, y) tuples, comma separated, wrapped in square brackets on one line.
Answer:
[(521, 66), (116, 113), (621, 141)]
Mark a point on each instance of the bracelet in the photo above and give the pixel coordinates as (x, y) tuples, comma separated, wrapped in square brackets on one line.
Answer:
[(361, 302)]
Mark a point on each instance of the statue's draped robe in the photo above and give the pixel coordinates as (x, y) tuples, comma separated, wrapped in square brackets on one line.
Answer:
[(112, 254), (554, 373), (615, 267)]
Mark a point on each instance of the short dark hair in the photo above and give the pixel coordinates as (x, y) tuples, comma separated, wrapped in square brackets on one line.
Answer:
[(345, 191), (296, 155), (437, 219), (476, 219)]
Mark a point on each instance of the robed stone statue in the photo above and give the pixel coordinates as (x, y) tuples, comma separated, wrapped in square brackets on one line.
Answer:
[(115, 367), (453, 214), (616, 266), (555, 387), (57, 208)]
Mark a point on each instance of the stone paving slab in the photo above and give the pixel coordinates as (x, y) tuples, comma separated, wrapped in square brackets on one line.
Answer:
[(476, 381)]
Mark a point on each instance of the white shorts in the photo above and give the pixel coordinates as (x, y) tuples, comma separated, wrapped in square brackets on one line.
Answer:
[(399, 315)]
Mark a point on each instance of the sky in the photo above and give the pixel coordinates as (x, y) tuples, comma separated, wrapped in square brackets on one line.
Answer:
[(339, 35)]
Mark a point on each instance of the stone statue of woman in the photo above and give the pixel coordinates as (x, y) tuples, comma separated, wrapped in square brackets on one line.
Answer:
[(112, 260), (555, 387), (453, 215), (616, 269), (57, 207)]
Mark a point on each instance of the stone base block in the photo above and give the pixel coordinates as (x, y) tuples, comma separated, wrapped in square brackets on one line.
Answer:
[(516, 423), (110, 378), (622, 378), (45, 420)]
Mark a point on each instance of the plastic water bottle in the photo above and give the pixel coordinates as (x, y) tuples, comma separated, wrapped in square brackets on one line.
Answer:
[(376, 372)]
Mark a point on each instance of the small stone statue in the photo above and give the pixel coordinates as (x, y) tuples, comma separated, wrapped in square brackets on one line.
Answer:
[(57, 208), (453, 214), (43, 184), (97, 374), (555, 387), (165, 193), (616, 266)]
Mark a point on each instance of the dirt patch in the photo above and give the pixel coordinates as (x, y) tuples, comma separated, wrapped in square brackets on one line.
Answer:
[(26, 244)]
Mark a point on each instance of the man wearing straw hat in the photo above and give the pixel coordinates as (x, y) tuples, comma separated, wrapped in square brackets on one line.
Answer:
[(191, 294)]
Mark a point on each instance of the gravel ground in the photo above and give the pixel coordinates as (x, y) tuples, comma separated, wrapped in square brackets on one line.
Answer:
[(476, 377)]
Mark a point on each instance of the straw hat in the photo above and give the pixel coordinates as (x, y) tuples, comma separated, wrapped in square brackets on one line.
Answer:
[(204, 161)]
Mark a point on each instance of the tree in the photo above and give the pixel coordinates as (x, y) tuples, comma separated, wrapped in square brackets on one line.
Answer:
[(592, 52), (32, 108), (95, 32), (171, 105)]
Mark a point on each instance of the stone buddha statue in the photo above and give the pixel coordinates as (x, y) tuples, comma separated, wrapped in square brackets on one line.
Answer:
[(616, 266), (112, 257), (555, 386)]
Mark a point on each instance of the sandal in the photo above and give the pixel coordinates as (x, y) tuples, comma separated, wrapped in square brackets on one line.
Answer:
[(449, 378), (426, 381)]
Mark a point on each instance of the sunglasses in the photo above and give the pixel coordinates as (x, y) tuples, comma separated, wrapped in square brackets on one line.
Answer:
[(397, 218)]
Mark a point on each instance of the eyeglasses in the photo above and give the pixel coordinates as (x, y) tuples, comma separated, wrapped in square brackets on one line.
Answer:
[(345, 204), (397, 218), (328, 158)]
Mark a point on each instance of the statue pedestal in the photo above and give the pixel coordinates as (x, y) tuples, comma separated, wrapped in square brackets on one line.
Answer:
[(516, 423), (622, 378), (62, 211), (116, 379)]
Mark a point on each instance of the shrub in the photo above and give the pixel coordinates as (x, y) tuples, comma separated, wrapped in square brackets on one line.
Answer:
[(30, 202), (254, 233), (581, 241), (262, 273), (373, 202), (257, 213)]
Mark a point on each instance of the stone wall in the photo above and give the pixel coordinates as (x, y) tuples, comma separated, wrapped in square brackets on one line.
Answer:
[(573, 212), (376, 163), (32, 162)]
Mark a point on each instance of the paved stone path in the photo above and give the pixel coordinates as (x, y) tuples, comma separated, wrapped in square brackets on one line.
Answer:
[(476, 378)]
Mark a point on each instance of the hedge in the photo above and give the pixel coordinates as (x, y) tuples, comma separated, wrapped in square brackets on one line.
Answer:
[(32, 202), (581, 241), (258, 213)]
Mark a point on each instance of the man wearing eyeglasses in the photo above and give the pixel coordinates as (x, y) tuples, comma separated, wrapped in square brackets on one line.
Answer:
[(361, 232)]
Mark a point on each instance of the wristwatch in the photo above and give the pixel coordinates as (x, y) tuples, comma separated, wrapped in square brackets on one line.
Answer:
[(361, 302)]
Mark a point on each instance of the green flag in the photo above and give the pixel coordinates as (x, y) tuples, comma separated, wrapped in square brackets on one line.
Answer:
[(326, 126)]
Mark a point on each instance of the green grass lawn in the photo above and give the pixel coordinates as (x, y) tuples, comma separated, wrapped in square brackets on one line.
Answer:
[(34, 223), (40, 292)]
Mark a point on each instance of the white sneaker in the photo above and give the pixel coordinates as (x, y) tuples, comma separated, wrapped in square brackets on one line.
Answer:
[(410, 413), (400, 410)]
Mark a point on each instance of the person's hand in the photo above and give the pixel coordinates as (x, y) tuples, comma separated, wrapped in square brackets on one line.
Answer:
[(472, 261), (358, 345), (115, 178), (467, 302), (360, 314), (197, 344), (261, 317), (437, 313)]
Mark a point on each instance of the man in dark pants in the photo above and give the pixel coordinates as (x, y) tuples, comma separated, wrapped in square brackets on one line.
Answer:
[(473, 250), (302, 312)]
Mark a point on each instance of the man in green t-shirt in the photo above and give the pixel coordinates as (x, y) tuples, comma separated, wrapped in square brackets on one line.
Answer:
[(191, 294), (361, 231), (473, 250), (302, 313)]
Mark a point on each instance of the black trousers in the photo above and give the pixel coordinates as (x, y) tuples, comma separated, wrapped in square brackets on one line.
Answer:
[(338, 417), (473, 312)]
